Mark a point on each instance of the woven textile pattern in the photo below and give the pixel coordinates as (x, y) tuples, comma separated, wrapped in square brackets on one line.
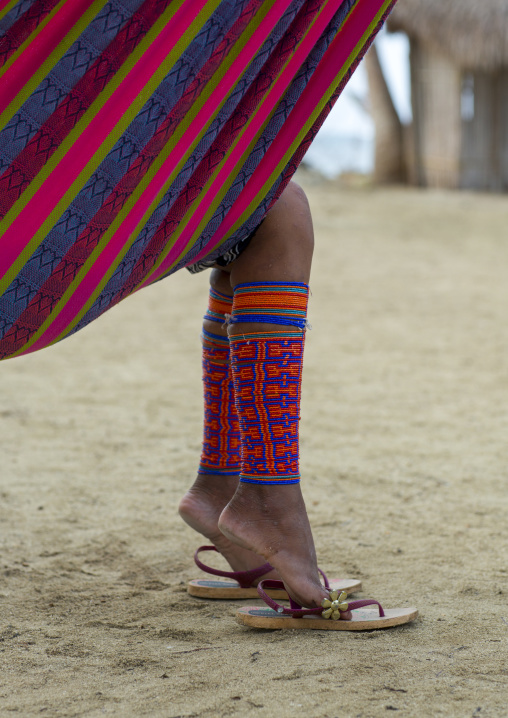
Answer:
[(267, 376), (141, 136)]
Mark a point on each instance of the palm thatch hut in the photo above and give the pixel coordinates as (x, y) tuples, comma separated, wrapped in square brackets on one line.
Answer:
[(459, 78)]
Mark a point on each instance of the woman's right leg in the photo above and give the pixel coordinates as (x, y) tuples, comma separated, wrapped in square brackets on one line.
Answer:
[(270, 279)]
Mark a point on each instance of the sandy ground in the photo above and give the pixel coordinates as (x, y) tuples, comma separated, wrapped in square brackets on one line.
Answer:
[(404, 454)]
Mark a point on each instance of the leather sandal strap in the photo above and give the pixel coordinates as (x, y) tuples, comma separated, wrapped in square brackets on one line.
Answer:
[(325, 579), (297, 611), (361, 602), (244, 578)]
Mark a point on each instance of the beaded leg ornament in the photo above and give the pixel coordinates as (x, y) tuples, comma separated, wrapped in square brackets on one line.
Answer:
[(267, 371), (221, 452)]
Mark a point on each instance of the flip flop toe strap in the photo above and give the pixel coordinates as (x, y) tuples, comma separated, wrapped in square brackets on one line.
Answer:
[(244, 578), (325, 579), (296, 610), (335, 612)]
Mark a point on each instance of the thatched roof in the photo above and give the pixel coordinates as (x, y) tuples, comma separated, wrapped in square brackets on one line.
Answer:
[(473, 33)]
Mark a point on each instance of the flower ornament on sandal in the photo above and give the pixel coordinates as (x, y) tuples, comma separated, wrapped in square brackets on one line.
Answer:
[(334, 605)]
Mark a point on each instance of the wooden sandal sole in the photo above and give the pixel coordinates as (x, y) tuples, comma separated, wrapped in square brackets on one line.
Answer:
[(362, 619)]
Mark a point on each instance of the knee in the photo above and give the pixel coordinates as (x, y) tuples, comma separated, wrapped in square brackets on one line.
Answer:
[(282, 247), (292, 214), (221, 282), (295, 196), (295, 200)]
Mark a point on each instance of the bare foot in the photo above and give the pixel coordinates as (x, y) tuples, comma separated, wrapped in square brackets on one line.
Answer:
[(201, 507), (272, 521)]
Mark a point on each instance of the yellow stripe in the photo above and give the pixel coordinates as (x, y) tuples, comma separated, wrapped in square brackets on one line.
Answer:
[(52, 60), (7, 8), (21, 49)]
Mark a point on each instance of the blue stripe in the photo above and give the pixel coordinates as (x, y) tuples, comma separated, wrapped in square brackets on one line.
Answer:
[(269, 483)]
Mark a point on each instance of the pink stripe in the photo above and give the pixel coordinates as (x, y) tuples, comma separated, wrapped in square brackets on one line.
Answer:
[(40, 49), (337, 54), (118, 240), (283, 139), (29, 220)]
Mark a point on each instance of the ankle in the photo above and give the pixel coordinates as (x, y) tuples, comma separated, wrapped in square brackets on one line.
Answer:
[(214, 485), (277, 500)]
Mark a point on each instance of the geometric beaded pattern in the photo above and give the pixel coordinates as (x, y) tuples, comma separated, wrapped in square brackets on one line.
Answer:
[(267, 370), (221, 451)]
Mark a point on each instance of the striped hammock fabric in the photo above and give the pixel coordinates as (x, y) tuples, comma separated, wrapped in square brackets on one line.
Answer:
[(137, 138)]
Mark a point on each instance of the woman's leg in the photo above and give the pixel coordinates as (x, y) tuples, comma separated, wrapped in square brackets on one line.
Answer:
[(220, 464), (267, 513)]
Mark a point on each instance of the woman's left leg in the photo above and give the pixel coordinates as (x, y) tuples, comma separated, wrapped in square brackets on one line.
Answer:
[(220, 462)]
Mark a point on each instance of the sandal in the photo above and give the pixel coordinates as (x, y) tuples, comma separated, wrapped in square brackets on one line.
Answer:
[(241, 583), (335, 614)]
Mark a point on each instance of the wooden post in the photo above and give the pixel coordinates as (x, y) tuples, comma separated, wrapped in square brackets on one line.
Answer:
[(388, 164), (436, 92)]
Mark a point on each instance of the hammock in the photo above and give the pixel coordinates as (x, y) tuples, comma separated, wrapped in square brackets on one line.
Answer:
[(137, 138)]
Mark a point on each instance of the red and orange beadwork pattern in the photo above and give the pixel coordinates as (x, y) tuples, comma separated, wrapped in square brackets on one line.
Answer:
[(267, 372), (221, 452)]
